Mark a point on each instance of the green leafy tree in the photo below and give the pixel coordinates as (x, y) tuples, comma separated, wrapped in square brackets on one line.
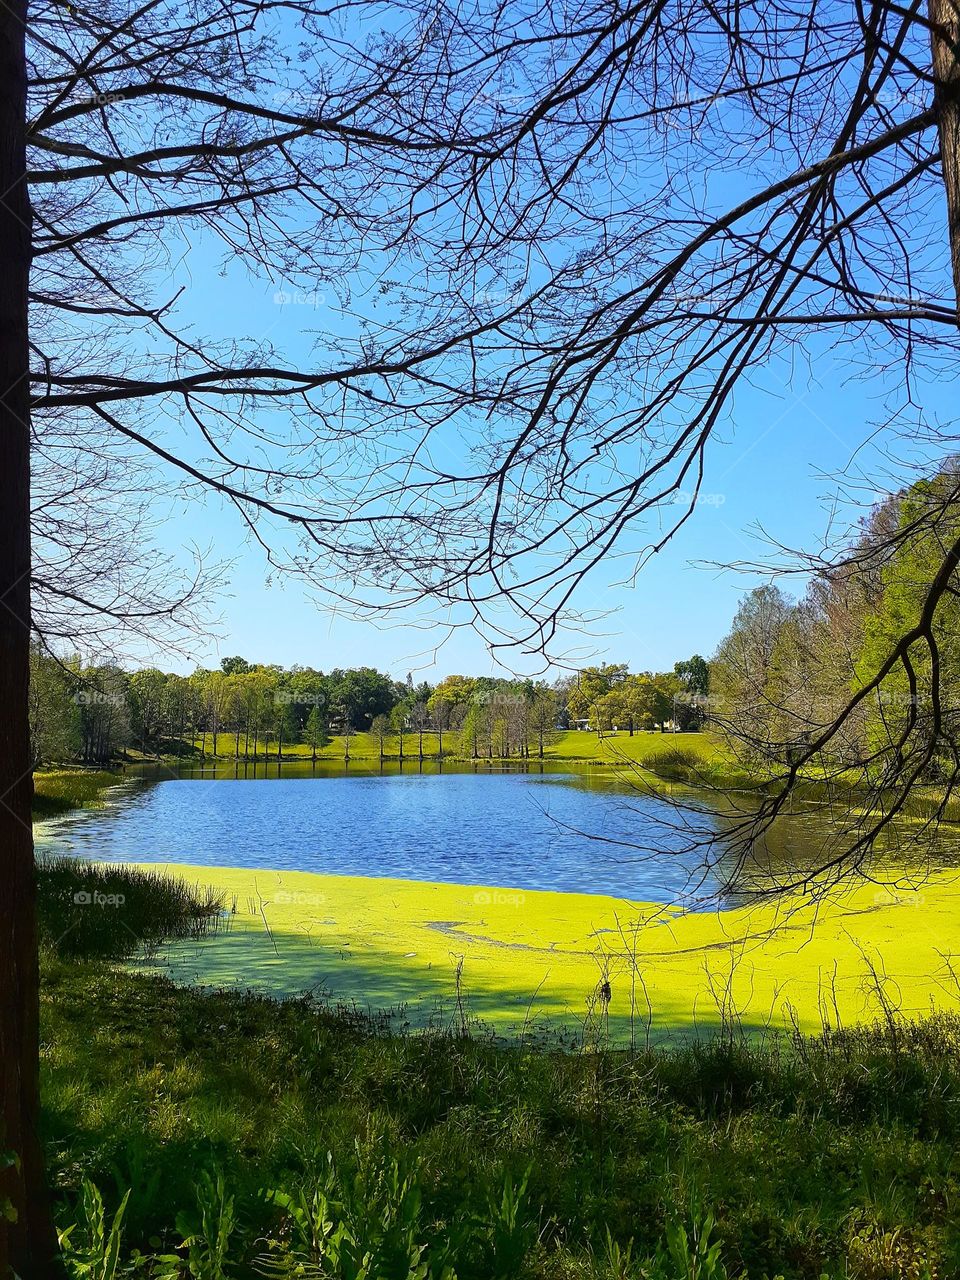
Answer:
[(54, 713), (316, 731), (920, 695), (380, 728), (234, 666)]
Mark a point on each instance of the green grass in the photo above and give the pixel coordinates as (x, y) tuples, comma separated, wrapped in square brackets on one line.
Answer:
[(836, 1157), (93, 909), (575, 746), (57, 791)]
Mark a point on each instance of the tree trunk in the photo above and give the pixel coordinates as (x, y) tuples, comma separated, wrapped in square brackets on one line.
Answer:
[(945, 20), (28, 1245)]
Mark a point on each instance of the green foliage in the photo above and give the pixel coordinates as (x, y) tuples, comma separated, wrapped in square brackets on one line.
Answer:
[(54, 711), (817, 1157), (512, 1226), (689, 1255), (676, 764), (91, 1247), (60, 790), (207, 1233), (91, 909)]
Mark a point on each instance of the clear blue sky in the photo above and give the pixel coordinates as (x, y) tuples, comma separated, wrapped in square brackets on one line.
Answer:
[(774, 471), (772, 468)]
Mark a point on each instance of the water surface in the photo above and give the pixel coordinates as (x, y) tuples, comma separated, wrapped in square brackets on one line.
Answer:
[(580, 831)]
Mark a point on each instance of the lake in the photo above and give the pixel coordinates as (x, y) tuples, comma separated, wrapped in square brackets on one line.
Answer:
[(574, 830)]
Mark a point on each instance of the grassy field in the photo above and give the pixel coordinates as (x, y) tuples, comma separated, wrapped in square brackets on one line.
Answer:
[(573, 745), (288, 1139)]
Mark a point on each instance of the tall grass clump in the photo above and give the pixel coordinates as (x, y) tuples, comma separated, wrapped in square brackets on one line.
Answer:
[(57, 791), (88, 909), (675, 764)]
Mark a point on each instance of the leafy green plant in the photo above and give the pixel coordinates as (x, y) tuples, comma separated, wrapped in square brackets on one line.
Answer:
[(367, 1228), (95, 1253), (690, 1256), (207, 1234), (618, 1260), (512, 1229)]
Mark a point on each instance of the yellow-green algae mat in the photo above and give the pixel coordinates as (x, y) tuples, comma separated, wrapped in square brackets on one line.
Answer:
[(523, 960)]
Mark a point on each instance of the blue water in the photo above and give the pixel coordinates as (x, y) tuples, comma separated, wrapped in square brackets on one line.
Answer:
[(518, 830)]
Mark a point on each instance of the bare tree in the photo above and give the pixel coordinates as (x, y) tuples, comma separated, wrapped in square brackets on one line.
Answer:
[(596, 303), (126, 131)]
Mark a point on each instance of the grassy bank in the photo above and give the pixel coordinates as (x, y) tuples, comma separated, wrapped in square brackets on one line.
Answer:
[(221, 1134), (289, 1134), (57, 791)]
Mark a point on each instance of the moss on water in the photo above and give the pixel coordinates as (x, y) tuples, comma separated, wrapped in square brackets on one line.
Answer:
[(529, 958)]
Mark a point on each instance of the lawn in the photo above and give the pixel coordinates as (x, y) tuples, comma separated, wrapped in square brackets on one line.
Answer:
[(574, 745)]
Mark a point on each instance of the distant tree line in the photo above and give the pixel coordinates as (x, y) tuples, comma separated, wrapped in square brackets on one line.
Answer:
[(96, 712)]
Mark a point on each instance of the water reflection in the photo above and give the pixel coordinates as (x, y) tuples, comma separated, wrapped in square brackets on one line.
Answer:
[(537, 825)]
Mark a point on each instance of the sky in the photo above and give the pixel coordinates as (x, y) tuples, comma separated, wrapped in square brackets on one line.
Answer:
[(773, 480), (789, 466)]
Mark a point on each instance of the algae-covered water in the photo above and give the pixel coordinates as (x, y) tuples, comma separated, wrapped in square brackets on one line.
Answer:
[(528, 890)]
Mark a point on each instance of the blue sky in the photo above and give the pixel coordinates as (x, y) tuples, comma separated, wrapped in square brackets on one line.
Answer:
[(772, 475), (774, 468)]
